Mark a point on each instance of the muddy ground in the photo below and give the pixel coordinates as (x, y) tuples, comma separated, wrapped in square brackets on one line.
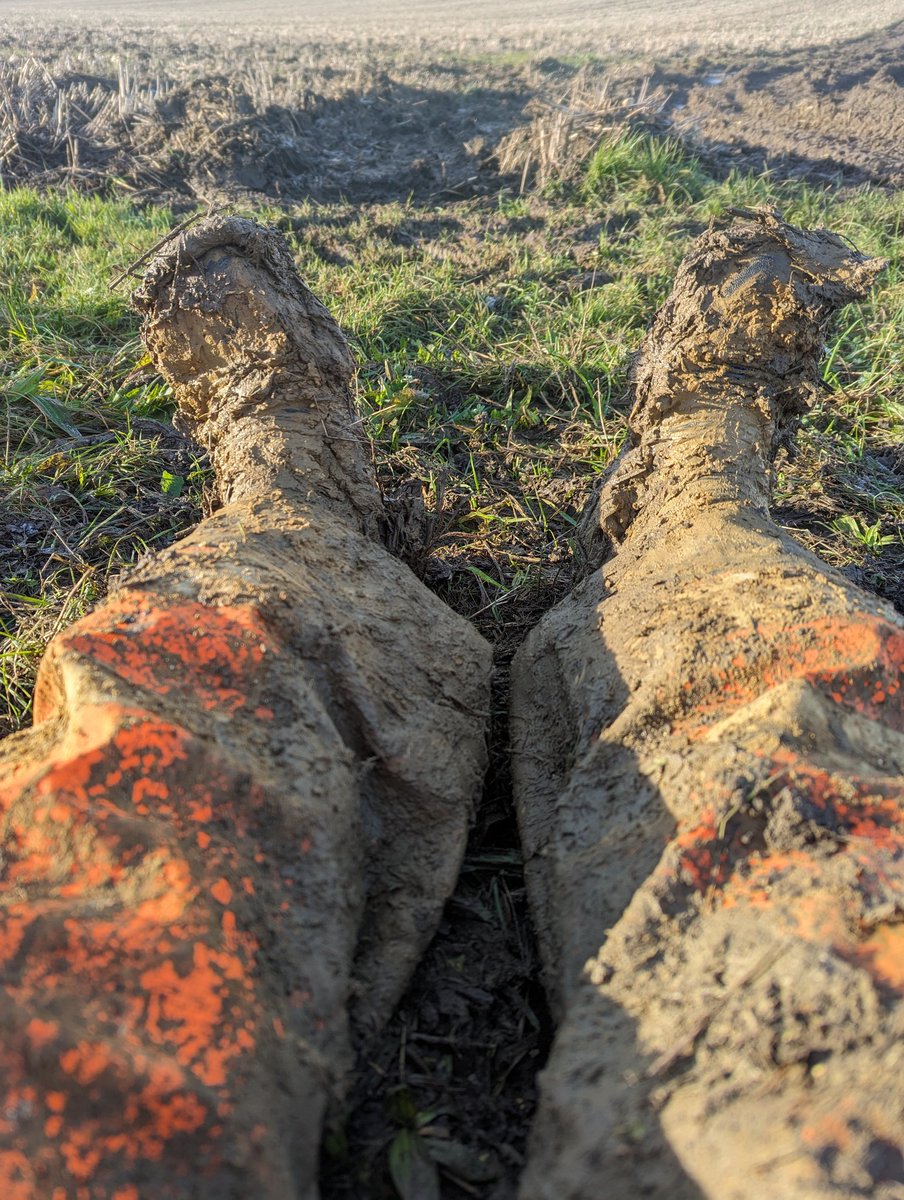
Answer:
[(827, 113), (260, 122), (165, 119)]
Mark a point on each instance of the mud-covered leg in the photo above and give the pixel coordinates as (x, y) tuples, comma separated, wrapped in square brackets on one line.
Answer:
[(717, 873), (247, 792)]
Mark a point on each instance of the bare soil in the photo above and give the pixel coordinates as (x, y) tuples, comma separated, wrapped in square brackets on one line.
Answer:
[(825, 114), (257, 120)]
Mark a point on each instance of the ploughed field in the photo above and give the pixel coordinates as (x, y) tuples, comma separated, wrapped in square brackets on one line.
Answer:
[(195, 112), (494, 212)]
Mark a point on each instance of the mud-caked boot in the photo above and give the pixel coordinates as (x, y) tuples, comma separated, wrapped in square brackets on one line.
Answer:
[(709, 775), (245, 800), (260, 370)]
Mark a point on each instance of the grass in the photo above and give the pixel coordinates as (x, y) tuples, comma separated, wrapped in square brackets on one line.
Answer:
[(92, 472), (493, 338)]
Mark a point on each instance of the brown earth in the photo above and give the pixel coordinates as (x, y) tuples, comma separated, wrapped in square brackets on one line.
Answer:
[(213, 140), (827, 114), (258, 121)]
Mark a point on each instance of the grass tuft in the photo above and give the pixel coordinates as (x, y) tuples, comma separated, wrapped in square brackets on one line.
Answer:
[(89, 456), (645, 168)]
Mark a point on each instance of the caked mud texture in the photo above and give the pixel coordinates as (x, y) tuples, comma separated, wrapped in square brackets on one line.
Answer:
[(247, 793), (709, 748)]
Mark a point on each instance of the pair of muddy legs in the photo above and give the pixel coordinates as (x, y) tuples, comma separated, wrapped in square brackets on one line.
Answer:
[(229, 836)]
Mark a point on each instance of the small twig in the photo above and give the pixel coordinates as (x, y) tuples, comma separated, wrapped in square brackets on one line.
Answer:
[(683, 1047), (459, 1182), (403, 1046), (61, 619), (132, 269), (452, 187), (430, 1039)]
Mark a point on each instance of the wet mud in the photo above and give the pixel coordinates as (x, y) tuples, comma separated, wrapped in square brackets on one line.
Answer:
[(807, 806), (264, 129), (368, 136), (254, 769), (827, 114)]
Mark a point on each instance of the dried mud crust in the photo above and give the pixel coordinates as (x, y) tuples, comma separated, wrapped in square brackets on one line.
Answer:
[(231, 833), (822, 114), (709, 773), (458, 1061)]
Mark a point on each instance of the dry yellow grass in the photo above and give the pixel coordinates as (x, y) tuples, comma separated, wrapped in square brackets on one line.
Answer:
[(617, 27)]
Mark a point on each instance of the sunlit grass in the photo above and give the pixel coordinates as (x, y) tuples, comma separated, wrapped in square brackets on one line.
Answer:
[(85, 440), (493, 341)]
